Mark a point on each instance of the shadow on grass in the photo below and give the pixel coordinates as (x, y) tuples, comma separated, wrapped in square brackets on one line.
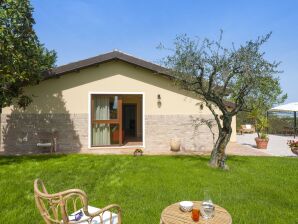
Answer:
[(192, 158), (9, 160), (233, 161), (204, 158)]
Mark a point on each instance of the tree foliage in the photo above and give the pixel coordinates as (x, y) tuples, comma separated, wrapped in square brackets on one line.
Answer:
[(260, 121), (217, 74), (23, 59)]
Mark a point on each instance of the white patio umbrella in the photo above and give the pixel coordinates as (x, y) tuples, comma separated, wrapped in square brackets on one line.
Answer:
[(290, 107)]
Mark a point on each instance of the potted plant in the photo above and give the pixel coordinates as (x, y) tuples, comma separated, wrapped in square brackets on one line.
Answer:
[(261, 123), (294, 146)]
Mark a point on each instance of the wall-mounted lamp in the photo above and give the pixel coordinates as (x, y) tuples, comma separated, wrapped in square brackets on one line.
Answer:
[(201, 106), (158, 100)]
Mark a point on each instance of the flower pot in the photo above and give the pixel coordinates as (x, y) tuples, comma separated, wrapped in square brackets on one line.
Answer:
[(294, 150), (175, 144), (262, 143)]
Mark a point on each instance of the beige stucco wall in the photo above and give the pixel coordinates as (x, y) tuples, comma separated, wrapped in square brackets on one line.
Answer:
[(69, 93)]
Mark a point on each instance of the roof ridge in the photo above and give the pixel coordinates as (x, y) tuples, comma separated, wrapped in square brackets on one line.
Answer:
[(109, 52), (101, 58)]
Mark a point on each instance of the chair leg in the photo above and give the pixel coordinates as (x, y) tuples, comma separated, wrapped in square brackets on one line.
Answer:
[(55, 145)]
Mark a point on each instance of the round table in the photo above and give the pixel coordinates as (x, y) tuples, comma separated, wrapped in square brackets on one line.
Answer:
[(173, 215)]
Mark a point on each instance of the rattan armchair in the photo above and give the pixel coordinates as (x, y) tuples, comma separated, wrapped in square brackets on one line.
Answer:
[(247, 128), (47, 139), (62, 207)]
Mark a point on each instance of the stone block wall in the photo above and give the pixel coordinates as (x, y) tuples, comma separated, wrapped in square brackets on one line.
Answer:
[(19, 132), (161, 128)]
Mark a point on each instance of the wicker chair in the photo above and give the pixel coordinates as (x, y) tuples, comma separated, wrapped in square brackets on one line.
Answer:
[(47, 139), (248, 128), (62, 207)]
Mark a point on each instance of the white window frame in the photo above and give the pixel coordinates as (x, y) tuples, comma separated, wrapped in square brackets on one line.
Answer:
[(116, 93)]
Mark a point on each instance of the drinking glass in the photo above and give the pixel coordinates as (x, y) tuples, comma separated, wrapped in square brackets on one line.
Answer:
[(195, 214), (207, 206)]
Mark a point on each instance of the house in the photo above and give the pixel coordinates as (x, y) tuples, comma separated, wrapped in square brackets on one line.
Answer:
[(111, 100)]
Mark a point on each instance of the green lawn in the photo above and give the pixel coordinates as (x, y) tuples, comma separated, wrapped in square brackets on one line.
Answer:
[(255, 190)]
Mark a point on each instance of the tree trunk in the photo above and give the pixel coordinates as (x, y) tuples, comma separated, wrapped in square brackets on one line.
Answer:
[(0, 127), (218, 156)]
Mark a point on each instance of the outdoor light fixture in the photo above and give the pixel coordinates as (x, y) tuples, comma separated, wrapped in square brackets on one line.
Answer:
[(201, 106), (158, 100)]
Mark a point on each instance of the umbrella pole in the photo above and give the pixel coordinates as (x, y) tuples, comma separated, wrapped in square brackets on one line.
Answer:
[(295, 123), (267, 117)]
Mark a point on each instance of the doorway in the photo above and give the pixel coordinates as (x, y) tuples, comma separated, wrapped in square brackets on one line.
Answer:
[(129, 120), (116, 119)]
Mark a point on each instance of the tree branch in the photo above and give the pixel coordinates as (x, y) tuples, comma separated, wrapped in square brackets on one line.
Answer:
[(215, 115), (211, 79), (240, 99)]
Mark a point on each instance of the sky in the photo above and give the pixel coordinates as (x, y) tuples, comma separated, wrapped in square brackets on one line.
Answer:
[(79, 29)]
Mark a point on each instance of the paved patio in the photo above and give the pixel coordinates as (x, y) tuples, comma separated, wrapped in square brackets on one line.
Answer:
[(277, 145), (245, 146), (232, 149)]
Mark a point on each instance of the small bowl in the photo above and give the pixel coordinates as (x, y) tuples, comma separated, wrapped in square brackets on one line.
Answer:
[(186, 206)]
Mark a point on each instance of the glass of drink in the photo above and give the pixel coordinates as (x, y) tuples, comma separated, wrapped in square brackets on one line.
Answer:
[(195, 214), (208, 210), (207, 206)]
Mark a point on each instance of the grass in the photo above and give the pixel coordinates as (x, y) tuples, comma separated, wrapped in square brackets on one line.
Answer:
[(255, 190)]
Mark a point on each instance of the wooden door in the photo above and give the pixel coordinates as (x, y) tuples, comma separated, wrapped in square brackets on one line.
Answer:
[(106, 113)]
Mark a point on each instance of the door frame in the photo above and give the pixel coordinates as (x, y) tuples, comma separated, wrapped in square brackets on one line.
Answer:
[(116, 93)]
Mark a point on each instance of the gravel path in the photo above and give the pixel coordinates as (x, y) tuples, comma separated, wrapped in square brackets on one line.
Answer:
[(277, 144)]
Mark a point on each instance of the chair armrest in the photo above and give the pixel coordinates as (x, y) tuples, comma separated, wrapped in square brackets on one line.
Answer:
[(107, 208)]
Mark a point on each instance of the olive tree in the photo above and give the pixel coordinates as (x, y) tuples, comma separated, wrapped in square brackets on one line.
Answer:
[(217, 75)]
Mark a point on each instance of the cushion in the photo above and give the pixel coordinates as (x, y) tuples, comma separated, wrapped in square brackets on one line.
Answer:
[(96, 220), (44, 144), (248, 126)]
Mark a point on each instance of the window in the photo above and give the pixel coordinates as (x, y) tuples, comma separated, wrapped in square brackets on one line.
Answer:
[(106, 122)]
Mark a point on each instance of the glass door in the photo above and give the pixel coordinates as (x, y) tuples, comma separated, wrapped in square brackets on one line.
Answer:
[(106, 120)]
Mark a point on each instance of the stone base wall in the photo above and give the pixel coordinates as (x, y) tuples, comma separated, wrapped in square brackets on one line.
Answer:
[(19, 132), (160, 129)]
